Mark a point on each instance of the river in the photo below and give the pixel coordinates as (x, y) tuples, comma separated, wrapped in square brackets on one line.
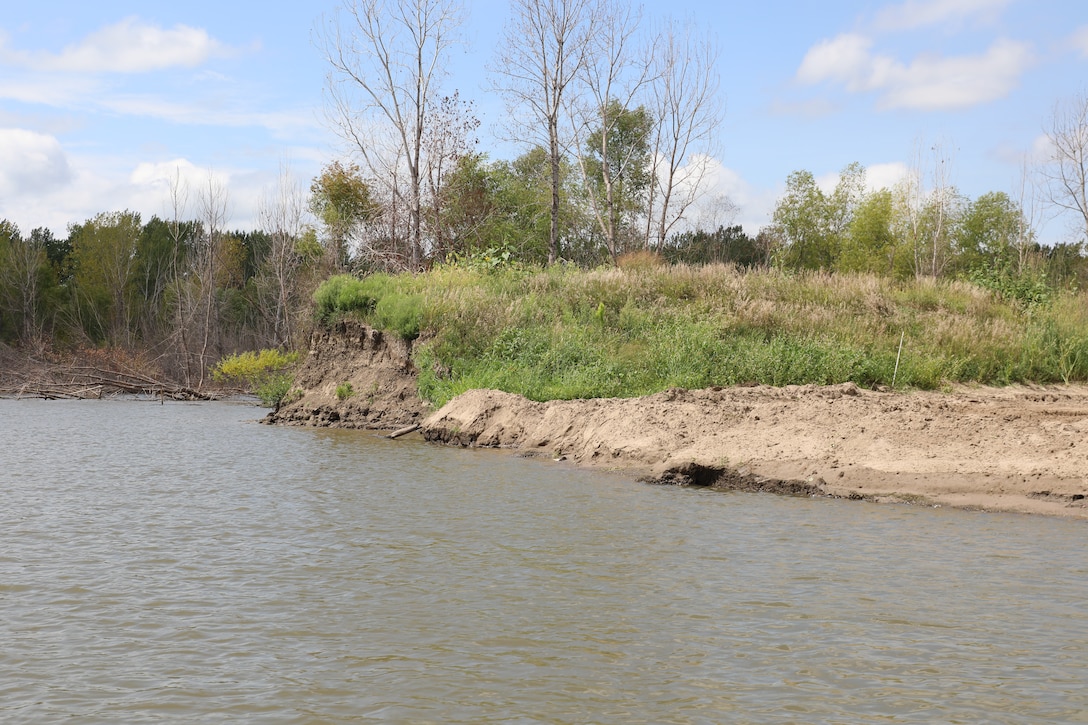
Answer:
[(181, 563)]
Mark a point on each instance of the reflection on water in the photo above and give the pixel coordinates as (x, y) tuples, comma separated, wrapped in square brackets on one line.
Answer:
[(180, 563)]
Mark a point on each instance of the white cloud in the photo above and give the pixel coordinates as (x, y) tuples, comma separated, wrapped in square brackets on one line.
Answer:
[(846, 58), (914, 14), (931, 83), (1080, 40), (877, 177), (928, 83), (750, 207), (31, 163), (129, 46), (885, 176), (283, 123), (161, 175), (49, 90)]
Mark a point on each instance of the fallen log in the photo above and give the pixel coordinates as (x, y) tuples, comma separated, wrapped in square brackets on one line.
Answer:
[(403, 431)]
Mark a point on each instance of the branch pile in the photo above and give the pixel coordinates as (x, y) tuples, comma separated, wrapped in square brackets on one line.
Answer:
[(25, 376)]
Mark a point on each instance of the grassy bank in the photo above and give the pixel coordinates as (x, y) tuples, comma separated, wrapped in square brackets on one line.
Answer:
[(569, 333)]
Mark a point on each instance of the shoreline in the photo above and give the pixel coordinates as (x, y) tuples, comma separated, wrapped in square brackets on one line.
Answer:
[(1017, 449), (1020, 449)]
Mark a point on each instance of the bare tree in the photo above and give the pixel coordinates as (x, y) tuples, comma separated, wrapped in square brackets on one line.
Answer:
[(610, 138), (925, 211), (542, 52), (1066, 169), (19, 278), (386, 59), (446, 141), (184, 290), (687, 112), (1026, 220), (214, 203), (282, 216)]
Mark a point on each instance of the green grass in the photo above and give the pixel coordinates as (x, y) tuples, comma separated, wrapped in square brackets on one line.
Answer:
[(564, 333)]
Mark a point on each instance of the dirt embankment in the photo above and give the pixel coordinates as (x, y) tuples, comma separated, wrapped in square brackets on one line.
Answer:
[(378, 367), (1021, 449), (1014, 449)]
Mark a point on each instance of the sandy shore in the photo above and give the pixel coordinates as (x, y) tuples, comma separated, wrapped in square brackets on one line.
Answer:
[(1013, 449)]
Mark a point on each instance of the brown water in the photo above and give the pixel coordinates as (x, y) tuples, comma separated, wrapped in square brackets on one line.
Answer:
[(179, 563)]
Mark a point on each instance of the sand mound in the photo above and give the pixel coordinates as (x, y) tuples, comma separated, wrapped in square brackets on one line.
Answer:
[(1012, 449)]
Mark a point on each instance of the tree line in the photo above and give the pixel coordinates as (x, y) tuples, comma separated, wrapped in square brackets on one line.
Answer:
[(185, 290), (617, 119)]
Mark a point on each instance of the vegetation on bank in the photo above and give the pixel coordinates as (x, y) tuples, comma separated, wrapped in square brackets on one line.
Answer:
[(563, 332), (266, 373)]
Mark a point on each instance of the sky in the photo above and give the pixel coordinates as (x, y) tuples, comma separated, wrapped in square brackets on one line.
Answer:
[(103, 104)]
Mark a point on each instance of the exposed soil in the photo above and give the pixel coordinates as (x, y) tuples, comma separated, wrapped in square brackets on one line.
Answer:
[(1016, 449), (378, 368)]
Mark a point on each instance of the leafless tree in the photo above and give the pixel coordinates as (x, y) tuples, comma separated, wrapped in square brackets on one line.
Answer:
[(281, 215), (214, 206), (446, 141), (542, 52), (19, 274), (688, 112), (1028, 217), (184, 302), (387, 58), (1066, 169), (615, 71), (926, 209)]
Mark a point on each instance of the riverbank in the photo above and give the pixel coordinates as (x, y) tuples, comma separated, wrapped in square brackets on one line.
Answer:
[(1017, 449)]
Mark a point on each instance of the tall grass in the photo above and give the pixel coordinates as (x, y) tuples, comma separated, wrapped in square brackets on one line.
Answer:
[(566, 333)]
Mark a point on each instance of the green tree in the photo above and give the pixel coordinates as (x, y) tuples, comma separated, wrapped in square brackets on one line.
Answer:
[(340, 199), (871, 243), (988, 232), (616, 166), (10, 322), (801, 215), (159, 256), (728, 245), (473, 217), (104, 254), (813, 224)]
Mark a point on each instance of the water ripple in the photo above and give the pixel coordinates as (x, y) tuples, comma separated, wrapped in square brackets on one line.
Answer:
[(178, 563)]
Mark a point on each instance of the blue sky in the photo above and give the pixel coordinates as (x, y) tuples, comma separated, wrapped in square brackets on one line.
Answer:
[(101, 102)]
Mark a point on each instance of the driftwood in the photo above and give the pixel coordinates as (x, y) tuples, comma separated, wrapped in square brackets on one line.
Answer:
[(75, 381), (404, 431)]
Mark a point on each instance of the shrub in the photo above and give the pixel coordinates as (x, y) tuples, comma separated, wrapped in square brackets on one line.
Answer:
[(400, 313), (344, 391), (266, 373)]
